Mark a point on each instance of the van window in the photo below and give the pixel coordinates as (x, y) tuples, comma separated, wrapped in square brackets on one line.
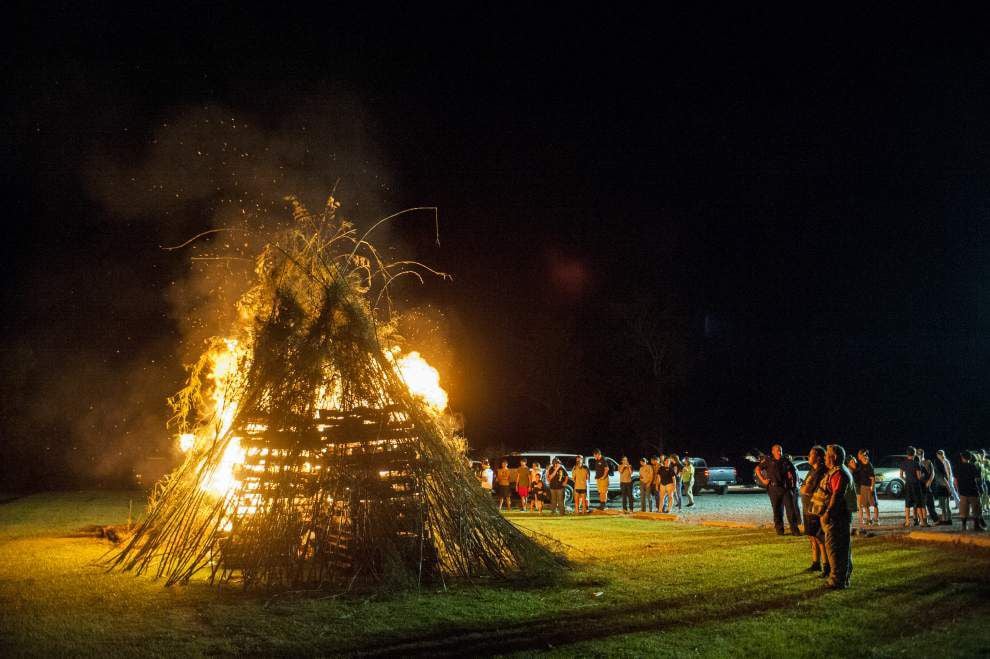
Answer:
[(544, 460)]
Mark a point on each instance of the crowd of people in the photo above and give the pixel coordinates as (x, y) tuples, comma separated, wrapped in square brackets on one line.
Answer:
[(665, 481), (838, 486), (966, 486)]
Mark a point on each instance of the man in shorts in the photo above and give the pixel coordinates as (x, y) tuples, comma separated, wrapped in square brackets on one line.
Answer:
[(581, 477), (522, 483), (601, 479), (503, 486), (865, 478)]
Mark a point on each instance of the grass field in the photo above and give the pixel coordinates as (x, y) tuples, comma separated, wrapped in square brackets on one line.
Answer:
[(635, 587)]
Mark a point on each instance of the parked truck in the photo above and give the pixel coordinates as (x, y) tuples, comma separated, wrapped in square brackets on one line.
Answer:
[(717, 479)]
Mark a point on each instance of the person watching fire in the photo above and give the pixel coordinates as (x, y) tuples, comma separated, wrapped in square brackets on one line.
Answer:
[(522, 484), (601, 479)]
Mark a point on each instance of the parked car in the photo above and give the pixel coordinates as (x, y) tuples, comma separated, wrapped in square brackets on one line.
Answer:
[(888, 475), (545, 458), (717, 479)]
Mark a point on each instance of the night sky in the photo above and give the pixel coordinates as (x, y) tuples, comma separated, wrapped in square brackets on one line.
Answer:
[(795, 213)]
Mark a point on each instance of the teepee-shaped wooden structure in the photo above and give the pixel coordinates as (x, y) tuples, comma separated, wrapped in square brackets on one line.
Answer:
[(311, 462)]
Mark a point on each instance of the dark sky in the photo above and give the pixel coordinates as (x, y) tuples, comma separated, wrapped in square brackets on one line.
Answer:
[(801, 207)]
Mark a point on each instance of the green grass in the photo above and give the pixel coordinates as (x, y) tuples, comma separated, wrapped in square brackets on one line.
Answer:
[(666, 589)]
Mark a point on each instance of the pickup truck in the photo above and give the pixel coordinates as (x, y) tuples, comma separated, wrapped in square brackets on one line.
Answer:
[(717, 479)]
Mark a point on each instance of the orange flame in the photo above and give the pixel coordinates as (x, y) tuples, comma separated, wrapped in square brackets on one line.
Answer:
[(423, 380)]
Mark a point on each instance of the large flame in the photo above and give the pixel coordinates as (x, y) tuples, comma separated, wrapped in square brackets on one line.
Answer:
[(224, 362), (423, 380), (222, 481)]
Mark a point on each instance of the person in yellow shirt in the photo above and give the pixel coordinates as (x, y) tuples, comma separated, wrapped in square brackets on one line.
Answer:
[(645, 486), (687, 481), (581, 476)]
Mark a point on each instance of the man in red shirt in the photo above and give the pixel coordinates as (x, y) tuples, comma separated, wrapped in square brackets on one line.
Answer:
[(837, 517)]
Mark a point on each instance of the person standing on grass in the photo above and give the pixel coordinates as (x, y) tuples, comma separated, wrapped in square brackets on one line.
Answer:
[(918, 491), (522, 484), (949, 477), (536, 488), (655, 465), (486, 476), (928, 485), (581, 476), (812, 524), (645, 486), (625, 485), (836, 518), (503, 486), (865, 478), (675, 463), (666, 485), (780, 479), (912, 487), (557, 480), (968, 479), (687, 481), (982, 463), (601, 479), (941, 487)]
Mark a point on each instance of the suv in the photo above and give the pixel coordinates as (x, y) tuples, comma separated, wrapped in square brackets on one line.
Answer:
[(546, 458), (888, 474)]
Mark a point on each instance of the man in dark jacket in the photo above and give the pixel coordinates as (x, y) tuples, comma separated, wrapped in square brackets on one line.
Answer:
[(780, 478)]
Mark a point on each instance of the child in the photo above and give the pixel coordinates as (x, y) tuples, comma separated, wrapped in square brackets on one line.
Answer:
[(536, 489)]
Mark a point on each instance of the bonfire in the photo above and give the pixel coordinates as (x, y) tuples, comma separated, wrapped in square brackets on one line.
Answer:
[(317, 451)]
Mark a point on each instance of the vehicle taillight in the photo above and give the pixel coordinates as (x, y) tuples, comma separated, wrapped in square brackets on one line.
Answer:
[(706, 473)]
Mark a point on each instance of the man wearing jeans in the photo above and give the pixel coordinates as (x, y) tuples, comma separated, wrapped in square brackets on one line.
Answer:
[(645, 486), (836, 518), (626, 485), (687, 479)]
